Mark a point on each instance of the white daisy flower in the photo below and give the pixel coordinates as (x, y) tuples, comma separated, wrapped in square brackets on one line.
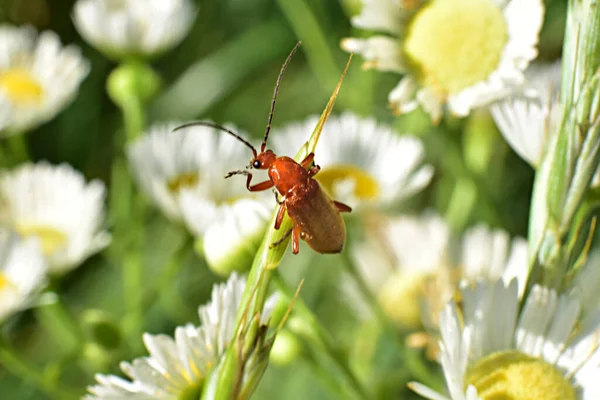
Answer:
[(232, 240), (183, 172), (177, 368), (459, 53), (38, 76), (363, 164), (56, 205), (416, 262), (134, 27), (528, 116), (22, 273), (492, 350)]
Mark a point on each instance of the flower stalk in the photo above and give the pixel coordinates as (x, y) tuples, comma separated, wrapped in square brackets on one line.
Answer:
[(14, 362), (573, 155), (130, 86), (267, 259)]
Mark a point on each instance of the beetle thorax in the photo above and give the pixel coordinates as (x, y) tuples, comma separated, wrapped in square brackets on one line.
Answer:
[(287, 173)]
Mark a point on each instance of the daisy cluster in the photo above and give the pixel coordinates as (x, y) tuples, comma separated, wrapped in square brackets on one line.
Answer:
[(51, 218), (179, 367)]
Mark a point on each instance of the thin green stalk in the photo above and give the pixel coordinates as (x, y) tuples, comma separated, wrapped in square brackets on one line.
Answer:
[(128, 205), (19, 367), (267, 258), (314, 40), (324, 375), (134, 117), (367, 294), (167, 274), (18, 151), (323, 339), (449, 152), (413, 361), (221, 72), (61, 326)]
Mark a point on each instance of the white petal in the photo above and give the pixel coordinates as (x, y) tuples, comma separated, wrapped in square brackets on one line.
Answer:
[(380, 52), (403, 98), (59, 199), (382, 15), (126, 28), (535, 318)]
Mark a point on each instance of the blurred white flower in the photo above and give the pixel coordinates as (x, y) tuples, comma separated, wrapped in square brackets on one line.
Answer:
[(184, 174), (134, 27), (178, 368), (416, 262), (56, 205), (459, 53), (22, 272), (231, 241), (38, 77), (530, 114), (493, 350), (363, 164)]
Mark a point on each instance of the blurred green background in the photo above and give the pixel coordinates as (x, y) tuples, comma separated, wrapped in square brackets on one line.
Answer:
[(225, 70)]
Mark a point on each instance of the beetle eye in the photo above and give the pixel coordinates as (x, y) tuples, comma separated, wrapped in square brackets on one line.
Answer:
[(256, 164)]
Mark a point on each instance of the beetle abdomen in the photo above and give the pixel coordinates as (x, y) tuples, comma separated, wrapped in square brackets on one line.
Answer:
[(316, 216)]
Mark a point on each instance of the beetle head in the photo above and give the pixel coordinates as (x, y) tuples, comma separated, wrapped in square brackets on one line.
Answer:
[(264, 160)]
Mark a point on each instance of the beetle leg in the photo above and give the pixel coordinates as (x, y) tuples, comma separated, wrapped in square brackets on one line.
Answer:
[(285, 236), (280, 214), (307, 160), (280, 202), (259, 186), (295, 239), (342, 207), (313, 171)]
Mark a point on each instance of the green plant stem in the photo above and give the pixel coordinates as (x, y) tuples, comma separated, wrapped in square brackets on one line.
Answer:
[(449, 153), (413, 361), (367, 294), (61, 326), (314, 40), (133, 117), (19, 367), (220, 73), (323, 339), (17, 149), (168, 273), (129, 221), (324, 375)]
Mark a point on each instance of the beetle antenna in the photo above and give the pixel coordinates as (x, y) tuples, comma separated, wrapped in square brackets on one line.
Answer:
[(238, 172), (263, 146), (220, 127)]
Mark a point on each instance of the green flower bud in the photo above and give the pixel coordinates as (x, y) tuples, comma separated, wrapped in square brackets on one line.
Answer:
[(100, 328), (132, 81), (287, 348)]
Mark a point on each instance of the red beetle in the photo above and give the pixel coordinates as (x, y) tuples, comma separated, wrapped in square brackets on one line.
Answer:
[(316, 217)]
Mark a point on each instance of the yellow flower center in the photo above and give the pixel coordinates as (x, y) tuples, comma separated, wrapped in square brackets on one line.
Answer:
[(401, 299), (5, 283), (455, 44), (513, 375), (50, 238), (187, 180), (21, 87), (365, 186)]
